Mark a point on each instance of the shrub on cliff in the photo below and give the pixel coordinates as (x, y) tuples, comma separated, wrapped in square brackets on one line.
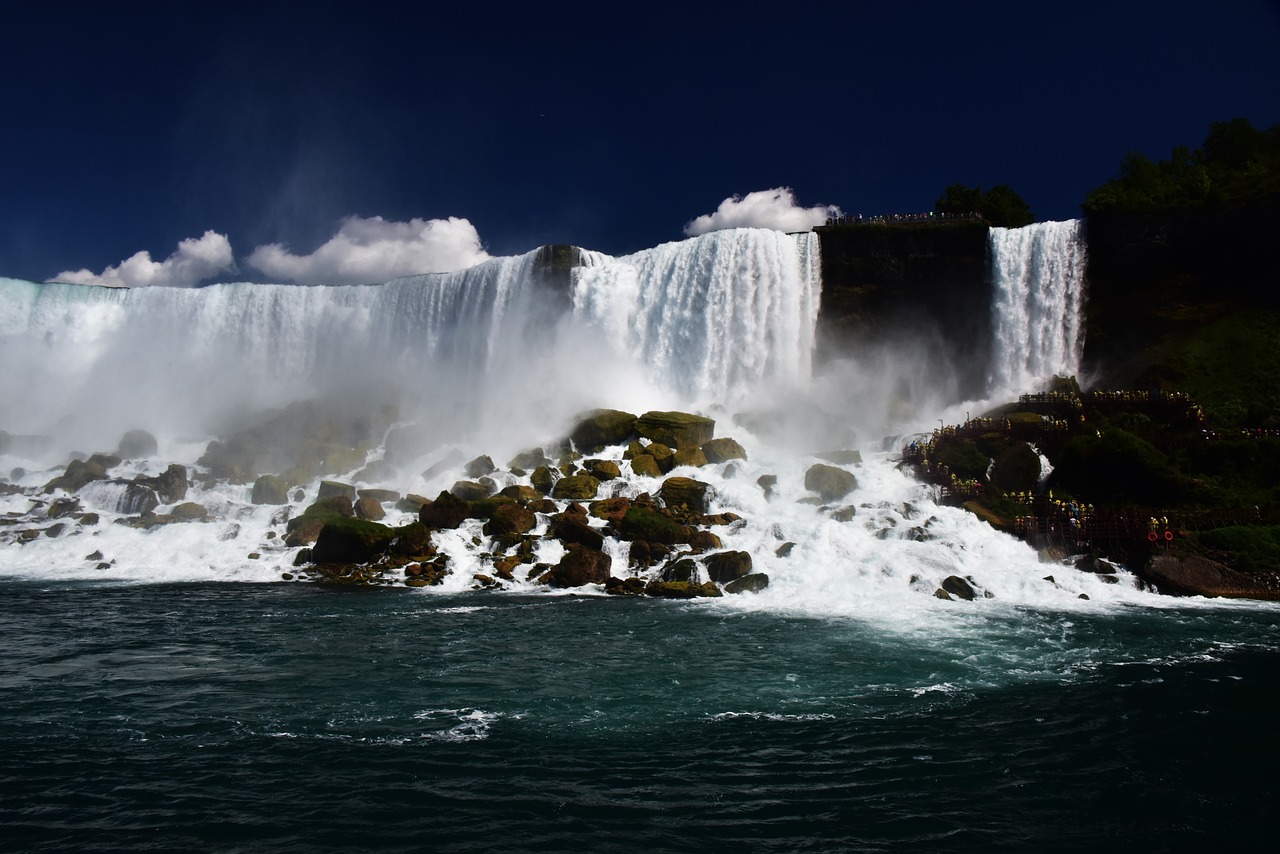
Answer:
[(1117, 468), (999, 206)]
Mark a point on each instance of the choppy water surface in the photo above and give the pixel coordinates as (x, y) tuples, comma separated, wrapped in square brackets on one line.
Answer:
[(247, 717)]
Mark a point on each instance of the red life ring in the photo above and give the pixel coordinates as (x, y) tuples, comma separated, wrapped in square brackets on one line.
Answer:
[(1152, 536), (1168, 535)]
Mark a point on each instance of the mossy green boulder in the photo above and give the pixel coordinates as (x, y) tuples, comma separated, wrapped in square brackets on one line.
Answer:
[(351, 541), (677, 429), (601, 428), (576, 487), (646, 523)]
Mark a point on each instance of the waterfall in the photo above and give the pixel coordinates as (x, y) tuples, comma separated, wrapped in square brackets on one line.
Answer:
[(1037, 293), (700, 321), (712, 317)]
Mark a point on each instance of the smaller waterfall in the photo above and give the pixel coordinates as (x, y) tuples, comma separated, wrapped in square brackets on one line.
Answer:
[(1037, 275)]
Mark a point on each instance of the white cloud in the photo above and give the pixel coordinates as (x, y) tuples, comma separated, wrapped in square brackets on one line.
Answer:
[(196, 259), (374, 250), (774, 208)]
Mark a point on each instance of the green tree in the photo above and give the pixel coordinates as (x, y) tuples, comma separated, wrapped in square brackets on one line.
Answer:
[(999, 206)]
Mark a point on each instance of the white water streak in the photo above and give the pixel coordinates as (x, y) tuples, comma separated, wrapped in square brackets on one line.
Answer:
[(1037, 299)]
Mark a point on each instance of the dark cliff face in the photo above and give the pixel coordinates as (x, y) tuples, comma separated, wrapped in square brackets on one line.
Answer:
[(1154, 278), (921, 287)]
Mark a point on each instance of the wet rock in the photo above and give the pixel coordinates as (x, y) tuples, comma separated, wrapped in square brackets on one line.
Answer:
[(646, 523), (529, 460), (784, 550), (723, 450), (576, 487), (683, 569), (351, 541), (692, 457), (844, 514), (829, 482), (480, 466), (610, 509), (581, 565), (767, 482), (96, 555), (189, 511), (959, 587), (369, 509), (412, 503), (447, 511), (1199, 576), (570, 529), (470, 490), (702, 540), (544, 479), (413, 540), (664, 457), (678, 429), (685, 492), (624, 586), (170, 485), (303, 530), (510, 518), (77, 474), (137, 445), (382, 496), (61, 507), (681, 590), (332, 488), (270, 489), (601, 428), (603, 469), (521, 493), (644, 465), (724, 567), (753, 583), (138, 500)]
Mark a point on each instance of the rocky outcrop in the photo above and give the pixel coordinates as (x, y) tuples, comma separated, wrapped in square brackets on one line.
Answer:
[(581, 565), (601, 428), (676, 429), (1193, 575), (685, 493)]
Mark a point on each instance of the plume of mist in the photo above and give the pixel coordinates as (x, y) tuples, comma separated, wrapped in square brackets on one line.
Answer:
[(776, 209), (195, 259)]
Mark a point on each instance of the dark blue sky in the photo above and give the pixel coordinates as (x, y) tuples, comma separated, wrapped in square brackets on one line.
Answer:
[(131, 126)]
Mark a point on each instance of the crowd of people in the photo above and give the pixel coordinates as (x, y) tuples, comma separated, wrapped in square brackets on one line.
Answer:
[(889, 219)]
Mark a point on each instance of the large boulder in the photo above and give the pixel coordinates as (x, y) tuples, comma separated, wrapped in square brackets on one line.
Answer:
[(447, 511), (581, 565), (646, 523), (413, 540), (529, 460), (351, 541), (137, 445), (138, 500), (644, 465), (480, 466), (170, 485), (693, 457), (610, 509), (753, 583), (270, 489), (576, 487), (472, 490), (681, 589), (724, 567), (510, 518), (77, 474), (829, 482), (369, 509), (1200, 576), (569, 529), (330, 488), (602, 428), (723, 450), (685, 492), (544, 478), (677, 429)]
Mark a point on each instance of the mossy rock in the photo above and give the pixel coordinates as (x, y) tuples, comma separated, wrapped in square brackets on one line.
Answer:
[(645, 466), (685, 492), (681, 590), (330, 488), (610, 509), (693, 457), (724, 567), (581, 565), (510, 518), (369, 508), (77, 474), (351, 541), (723, 450), (472, 490), (576, 487), (480, 466), (646, 523), (677, 429), (447, 511), (529, 460), (270, 489), (602, 428), (413, 540), (753, 583), (544, 479), (604, 469)]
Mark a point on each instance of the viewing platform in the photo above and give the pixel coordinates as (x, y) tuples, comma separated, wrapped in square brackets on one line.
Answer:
[(925, 218)]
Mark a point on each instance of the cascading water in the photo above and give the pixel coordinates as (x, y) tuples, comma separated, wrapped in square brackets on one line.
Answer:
[(716, 322), (1037, 277), (714, 317)]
